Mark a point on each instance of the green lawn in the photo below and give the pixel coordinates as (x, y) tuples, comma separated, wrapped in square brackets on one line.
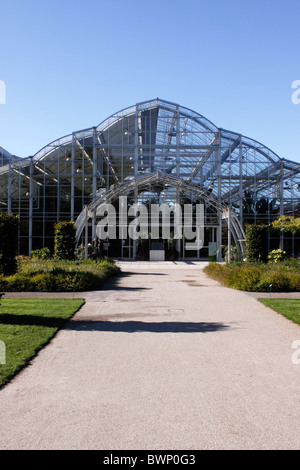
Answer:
[(26, 325), (289, 308)]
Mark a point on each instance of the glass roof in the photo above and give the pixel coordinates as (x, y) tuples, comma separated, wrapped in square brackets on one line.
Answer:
[(160, 136)]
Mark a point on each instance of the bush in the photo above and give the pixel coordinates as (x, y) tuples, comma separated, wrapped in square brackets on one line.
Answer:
[(256, 243), (43, 253), (80, 251), (8, 243), (64, 240), (287, 224), (282, 277), (235, 255), (277, 255), (235, 276), (243, 278), (275, 281), (58, 276)]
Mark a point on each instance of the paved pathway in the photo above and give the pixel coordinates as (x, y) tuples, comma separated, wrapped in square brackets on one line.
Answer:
[(163, 358)]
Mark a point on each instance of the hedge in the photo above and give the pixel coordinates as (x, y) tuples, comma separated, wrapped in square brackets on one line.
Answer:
[(256, 242), (8, 243), (64, 240), (55, 276), (277, 277)]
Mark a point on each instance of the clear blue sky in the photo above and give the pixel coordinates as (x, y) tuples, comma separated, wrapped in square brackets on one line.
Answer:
[(68, 64)]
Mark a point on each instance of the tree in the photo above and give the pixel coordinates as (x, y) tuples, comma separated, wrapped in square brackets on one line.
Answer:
[(257, 242), (287, 223), (8, 243), (64, 240)]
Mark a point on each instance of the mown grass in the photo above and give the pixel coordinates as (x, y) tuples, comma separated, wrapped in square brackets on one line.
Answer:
[(260, 277), (58, 276), (289, 308), (27, 325)]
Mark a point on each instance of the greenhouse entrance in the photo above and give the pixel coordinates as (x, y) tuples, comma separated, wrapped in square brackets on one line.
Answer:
[(160, 217)]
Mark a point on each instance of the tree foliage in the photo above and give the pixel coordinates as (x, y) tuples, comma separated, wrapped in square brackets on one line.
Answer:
[(8, 243), (64, 240), (287, 223), (257, 243)]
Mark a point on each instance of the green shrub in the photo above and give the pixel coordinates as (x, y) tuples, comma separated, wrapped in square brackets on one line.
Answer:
[(235, 254), (58, 276), (275, 281), (214, 270), (43, 253), (244, 278), (295, 282), (16, 283), (287, 223), (80, 251), (256, 243), (8, 243), (64, 240), (277, 255), (282, 277)]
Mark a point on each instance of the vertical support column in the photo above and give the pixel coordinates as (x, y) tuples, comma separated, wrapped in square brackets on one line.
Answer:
[(44, 203), (94, 225), (94, 162), (72, 177), (86, 234), (136, 141), (241, 215), (229, 213), (219, 228), (94, 180), (58, 187), (30, 206), (281, 201), (294, 199), (229, 234), (19, 212), (178, 223), (178, 242), (135, 202), (177, 143), (9, 190)]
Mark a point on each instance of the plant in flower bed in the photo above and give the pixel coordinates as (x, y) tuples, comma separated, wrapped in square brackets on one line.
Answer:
[(257, 277), (58, 276), (43, 253), (277, 255)]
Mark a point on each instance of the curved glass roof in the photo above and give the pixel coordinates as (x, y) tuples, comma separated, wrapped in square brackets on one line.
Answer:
[(160, 136)]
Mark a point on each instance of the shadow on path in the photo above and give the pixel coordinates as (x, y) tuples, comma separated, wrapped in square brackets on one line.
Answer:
[(37, 320), (115, 283), (152, 327), (114, 326)]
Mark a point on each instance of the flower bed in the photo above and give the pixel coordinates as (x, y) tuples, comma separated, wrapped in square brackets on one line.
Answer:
[(260, 277), (58, 276)]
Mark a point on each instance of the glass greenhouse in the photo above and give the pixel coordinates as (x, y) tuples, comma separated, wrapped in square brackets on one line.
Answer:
[(153, 152)]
